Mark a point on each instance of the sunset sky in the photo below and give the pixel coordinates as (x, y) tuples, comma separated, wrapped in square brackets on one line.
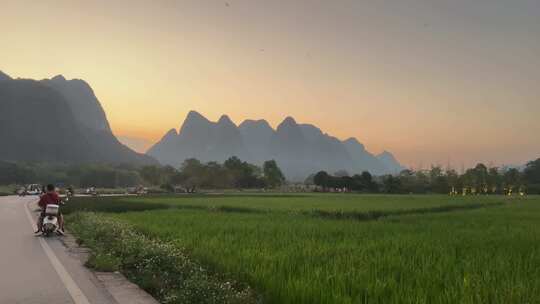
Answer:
[(431, 81)]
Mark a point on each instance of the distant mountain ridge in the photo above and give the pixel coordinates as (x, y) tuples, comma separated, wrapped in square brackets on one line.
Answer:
[(82, 101), (4, 76), (299, 149), (57, 120)]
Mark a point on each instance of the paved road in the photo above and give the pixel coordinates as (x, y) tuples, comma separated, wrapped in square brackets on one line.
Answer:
[(40, 270)]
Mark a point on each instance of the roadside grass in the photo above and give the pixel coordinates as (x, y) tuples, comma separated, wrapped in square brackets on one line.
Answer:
[(162, 269), (474, 255), (7, 190)]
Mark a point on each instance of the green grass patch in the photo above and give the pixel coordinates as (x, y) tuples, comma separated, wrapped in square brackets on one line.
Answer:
[(104, 262), (7, 190), (162, 269)]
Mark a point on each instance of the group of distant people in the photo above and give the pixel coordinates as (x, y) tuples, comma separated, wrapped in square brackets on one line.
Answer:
[(509, 191)]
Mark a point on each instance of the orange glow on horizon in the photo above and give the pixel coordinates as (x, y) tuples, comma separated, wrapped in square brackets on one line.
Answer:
[(429, 95)]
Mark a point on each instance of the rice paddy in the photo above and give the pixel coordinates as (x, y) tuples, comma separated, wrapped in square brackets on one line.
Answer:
[(421, 249)]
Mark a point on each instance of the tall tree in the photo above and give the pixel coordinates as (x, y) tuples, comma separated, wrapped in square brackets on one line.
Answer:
[(512, 180), (272, 174), (532, 172), (494, 180), (391, 184), (438, 181), (191, 176), (152, 174), (481, 178), (322, 179), (368, 183)]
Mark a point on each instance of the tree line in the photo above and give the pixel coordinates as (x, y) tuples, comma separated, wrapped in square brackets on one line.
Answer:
[(191, 175), (478, 180), (78, 175), (233, 173)]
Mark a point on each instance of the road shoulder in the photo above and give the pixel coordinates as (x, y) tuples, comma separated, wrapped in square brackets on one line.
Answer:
[(98, 287), (117, 285)]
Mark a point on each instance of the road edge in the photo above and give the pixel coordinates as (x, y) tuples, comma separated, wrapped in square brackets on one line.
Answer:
[(71, 286), (116, 284)]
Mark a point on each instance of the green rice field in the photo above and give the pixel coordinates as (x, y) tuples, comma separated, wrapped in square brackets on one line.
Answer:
[(387, 249), (307, 202)]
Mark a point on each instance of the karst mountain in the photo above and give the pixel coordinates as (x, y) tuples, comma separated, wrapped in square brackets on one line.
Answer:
[(300, 149)]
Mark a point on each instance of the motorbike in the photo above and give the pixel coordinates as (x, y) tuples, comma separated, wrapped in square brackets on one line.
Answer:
[(92, 192), (69, 194), (50, 220), (22, 192)]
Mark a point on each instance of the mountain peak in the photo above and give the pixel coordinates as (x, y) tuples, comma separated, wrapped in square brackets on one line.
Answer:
[(4, 76), (390, 161), (385, 154), (194, 120), (225, 120), (194, 115), (289, 121), (352, 140), (255, 123), (171, 133), (169, 136), (58, 77), (291, 134)]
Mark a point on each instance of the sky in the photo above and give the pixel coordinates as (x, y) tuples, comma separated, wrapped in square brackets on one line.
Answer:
[(434, 82)]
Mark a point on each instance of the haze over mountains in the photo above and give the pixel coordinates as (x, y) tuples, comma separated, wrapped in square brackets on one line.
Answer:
[(299, 149), (62, 120), (57, 120)]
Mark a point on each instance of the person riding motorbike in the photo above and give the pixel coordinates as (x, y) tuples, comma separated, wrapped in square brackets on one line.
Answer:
[(69, 192), (49, 198)]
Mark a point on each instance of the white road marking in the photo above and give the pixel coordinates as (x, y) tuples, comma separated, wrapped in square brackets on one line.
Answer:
[(74, 291)]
